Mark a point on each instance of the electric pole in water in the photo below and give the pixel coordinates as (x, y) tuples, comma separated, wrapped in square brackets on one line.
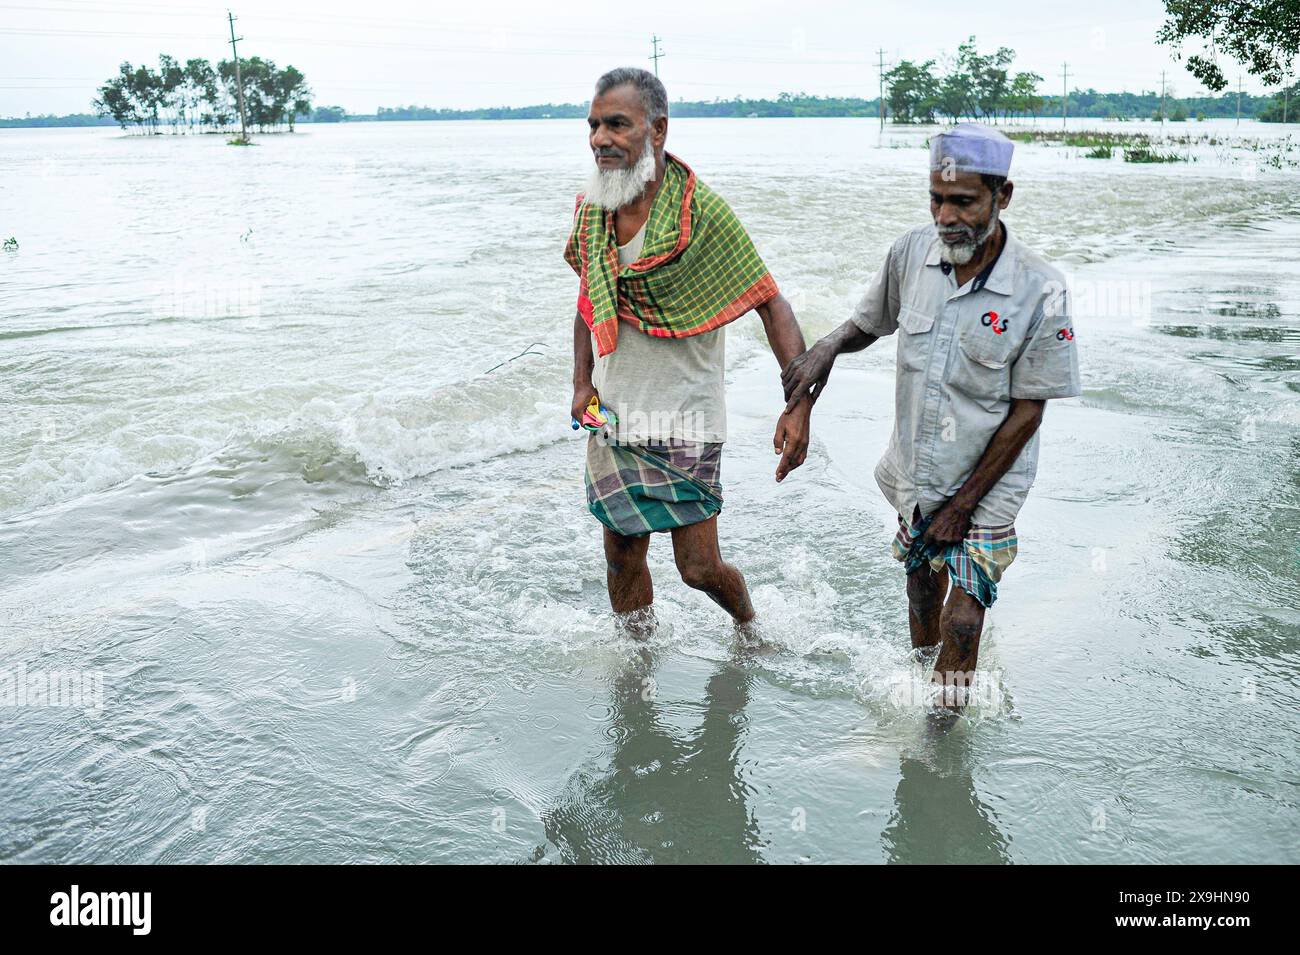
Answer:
[(1162, 98), (654, 42), (1065, 92), (239, 81), (881, 53), (1238, 99)]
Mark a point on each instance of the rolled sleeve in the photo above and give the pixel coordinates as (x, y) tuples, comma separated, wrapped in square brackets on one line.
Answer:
[(1048, 365), (877, 312)]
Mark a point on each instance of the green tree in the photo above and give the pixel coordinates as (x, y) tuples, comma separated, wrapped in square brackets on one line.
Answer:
[(1262, 35), (913, 92), (989, 79), (954, 90), (201, 93), (1023, 97), (115, 99), (144, 88), (169, 82), (272, 97), (974, 84), (293, 95)]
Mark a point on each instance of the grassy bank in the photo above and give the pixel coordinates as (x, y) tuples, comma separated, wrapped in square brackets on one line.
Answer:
[(1166, 147)]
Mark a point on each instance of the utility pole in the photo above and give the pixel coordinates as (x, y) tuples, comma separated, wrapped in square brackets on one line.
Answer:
[(239, 80), (1238, 99), (1162, 99), (1065, 93), (1285, 94), (881, 73), (654, 42)]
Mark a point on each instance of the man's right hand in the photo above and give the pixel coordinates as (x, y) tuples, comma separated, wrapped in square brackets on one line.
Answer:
[(806, 375), (582, 395)]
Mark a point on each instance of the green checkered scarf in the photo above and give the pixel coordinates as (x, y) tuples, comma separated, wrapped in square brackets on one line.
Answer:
[(698, 268)]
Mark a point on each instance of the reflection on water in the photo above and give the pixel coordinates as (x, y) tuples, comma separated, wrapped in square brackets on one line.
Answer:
[(668, 794), (938, 817)]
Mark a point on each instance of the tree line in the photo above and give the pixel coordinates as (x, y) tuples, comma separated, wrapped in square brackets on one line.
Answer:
[(1083, 103), (1285, 107), (197, 97)]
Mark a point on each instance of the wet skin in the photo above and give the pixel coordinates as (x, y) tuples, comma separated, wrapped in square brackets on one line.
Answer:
[(617, 134), (938, 615)]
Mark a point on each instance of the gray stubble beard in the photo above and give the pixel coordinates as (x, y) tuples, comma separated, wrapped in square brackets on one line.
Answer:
[(962, 252)]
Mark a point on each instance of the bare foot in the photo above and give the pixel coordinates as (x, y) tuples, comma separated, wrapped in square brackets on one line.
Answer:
[(749, 639), (639, 624), (955, 690)]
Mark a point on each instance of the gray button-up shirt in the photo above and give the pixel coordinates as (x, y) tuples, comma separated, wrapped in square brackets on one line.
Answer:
[(963, 354)]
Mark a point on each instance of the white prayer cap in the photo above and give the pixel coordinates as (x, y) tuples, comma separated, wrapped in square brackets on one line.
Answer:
[(971, 147)]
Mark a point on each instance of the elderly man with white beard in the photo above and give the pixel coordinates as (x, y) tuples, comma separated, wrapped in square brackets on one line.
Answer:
[(984, 340), (663, 266)]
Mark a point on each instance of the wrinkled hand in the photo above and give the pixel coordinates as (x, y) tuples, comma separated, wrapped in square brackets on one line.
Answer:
[(805, 376), (949, 527), (791, 439), (581, 398)]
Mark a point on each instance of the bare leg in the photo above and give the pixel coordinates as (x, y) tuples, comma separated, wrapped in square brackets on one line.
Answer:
[(627, 577), (961, 624), (699, 561), (925, 592)]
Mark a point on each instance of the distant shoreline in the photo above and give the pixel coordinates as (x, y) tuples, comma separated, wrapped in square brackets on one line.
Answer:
[(1031, 122), (1083, 104)]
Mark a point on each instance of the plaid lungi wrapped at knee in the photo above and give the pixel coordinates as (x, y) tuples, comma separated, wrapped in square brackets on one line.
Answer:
[(636, 490), (976, 565)]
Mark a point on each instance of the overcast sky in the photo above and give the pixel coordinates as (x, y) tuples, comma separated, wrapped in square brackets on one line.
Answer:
[(54, 53)]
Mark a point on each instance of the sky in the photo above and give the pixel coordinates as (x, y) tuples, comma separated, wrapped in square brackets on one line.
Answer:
[(54, 53)]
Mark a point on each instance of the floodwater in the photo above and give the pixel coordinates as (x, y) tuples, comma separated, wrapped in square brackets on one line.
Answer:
[(306, 557)]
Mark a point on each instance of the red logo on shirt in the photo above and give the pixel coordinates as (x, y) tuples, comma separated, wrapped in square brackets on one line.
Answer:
[(990, 319), (1066, 334)]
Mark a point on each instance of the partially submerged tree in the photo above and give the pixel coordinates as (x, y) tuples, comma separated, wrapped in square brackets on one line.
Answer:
[(198, 96), (913, 92), (971, 84)]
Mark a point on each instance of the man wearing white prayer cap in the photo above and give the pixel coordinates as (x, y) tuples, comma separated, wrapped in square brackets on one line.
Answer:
[(984, 339)]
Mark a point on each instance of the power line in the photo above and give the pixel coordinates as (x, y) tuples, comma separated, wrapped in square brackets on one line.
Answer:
[(405, 25), (143, 7), (427, 48)]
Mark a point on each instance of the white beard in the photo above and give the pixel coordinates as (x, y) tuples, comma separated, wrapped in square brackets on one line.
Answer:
[(959, 253), (616, 188)]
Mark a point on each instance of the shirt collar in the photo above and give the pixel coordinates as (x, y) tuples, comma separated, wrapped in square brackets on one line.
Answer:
[(998, 276)]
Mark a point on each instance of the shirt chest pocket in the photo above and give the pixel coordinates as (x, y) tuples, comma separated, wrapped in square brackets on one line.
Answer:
[(980, 367), (914, 338)]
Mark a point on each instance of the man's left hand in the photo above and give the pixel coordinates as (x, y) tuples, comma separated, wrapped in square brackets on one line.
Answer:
[(791, 438), (949, 527)]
